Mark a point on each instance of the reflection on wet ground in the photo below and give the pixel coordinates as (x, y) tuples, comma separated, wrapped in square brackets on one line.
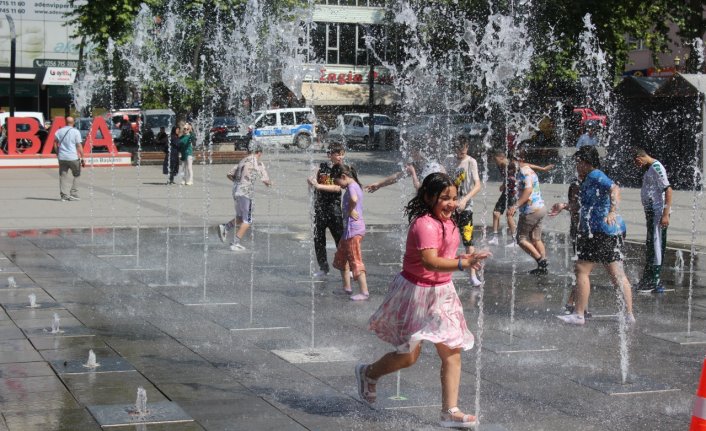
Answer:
[(211, 344)]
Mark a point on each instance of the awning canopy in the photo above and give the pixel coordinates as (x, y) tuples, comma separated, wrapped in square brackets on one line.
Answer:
[(4, 75), (318, 94), (640, 86), (683, 85)]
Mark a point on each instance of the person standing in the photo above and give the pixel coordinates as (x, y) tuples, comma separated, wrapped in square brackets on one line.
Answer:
[(600, 236), (243, 176), (170, 165), (656, 196), (349, 257), (463, 170), (69, 151), (588, 138), (327, 206), (531, 207), (186, 150), (421, 303)]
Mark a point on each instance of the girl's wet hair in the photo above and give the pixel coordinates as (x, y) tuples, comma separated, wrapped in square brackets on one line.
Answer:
[(431, 189), (339, 170)]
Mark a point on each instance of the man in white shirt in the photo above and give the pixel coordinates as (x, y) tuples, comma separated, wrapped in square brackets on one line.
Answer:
[(656, 197), (69, 151)]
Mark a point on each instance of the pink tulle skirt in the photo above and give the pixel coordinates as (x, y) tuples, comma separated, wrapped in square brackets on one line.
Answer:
[(410, 314)]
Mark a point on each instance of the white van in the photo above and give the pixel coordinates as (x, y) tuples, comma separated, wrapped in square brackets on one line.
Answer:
[(285, 127)]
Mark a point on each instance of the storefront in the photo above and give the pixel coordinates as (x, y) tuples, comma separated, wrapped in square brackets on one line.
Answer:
[(43, 43)]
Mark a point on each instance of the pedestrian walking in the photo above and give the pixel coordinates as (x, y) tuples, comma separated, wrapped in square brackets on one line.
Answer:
[(600, 236), (656, 197), (69, 152)]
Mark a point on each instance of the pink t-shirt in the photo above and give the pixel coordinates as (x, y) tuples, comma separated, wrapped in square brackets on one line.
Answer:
[(427, 232)]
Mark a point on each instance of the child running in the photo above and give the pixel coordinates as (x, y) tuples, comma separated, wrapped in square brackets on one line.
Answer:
[(421, 302), (348, 256), (243, 176)]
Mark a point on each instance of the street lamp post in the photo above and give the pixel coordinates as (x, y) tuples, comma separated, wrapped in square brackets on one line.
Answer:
[(13, 54)]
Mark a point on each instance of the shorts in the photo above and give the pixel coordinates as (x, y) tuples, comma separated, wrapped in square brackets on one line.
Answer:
[(529, 226), (501, 204), (599, 248), (349, 251), (243, 209), (464, 221)]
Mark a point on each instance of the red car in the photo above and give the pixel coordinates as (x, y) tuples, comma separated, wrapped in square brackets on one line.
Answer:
[(587, 114)]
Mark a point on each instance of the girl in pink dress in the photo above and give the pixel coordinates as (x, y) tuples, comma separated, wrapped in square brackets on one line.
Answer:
[(421, 302)]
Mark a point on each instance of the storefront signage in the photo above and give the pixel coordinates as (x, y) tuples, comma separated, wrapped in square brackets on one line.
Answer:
[(52, 62), (342, 75), (59, 76), (35, 144)]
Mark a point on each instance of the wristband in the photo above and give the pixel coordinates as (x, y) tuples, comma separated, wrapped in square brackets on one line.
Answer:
[(460, 265)]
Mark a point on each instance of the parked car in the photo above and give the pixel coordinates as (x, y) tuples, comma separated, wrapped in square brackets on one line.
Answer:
[(283, 127), (586, 114), (353, 129), (443, 124), (154, 119), (224, 129)]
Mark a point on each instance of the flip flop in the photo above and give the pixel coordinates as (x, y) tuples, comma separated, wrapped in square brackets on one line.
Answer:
[(360, 297)]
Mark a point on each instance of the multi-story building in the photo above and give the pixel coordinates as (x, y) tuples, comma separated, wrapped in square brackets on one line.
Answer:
[(349, 37), (46, 56)]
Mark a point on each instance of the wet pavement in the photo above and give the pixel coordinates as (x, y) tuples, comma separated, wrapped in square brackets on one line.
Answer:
[(247, 340)]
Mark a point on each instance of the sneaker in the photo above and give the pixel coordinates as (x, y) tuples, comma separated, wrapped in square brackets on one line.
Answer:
[(659, 288), (222, 232), (630, 319), (568, 309), (454, 418), (360, 297), (475, 282), (74, 198), (511, 245), (539, 271), (320, 273), (643, 287), (494, 240), (573, 319), (190, 183), (65, 199), (237, 247)]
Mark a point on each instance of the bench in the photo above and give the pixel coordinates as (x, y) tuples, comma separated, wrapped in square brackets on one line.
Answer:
[(219, 157)]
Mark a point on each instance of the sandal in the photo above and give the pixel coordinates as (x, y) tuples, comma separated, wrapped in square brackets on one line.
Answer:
[(367, 395), (454, 418)]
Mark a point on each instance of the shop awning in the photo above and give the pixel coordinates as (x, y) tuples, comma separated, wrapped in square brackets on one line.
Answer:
[(4, 75), (318, 94)]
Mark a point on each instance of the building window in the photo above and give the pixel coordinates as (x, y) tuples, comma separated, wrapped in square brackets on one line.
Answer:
[(339, 43), (635, 44)]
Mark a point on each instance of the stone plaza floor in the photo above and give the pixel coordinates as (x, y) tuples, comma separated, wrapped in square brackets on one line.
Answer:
[(248, 340)]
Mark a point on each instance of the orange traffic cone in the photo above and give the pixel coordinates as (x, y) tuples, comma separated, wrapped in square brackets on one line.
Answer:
[(698, 414)]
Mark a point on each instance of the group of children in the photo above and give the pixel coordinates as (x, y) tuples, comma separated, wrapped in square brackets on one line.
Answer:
[(421, 303)]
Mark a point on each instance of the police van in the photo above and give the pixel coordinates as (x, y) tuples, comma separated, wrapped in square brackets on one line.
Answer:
[(283, 127)]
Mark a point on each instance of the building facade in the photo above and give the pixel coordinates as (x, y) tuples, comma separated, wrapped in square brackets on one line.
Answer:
[(46, 56), (348, 38)]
